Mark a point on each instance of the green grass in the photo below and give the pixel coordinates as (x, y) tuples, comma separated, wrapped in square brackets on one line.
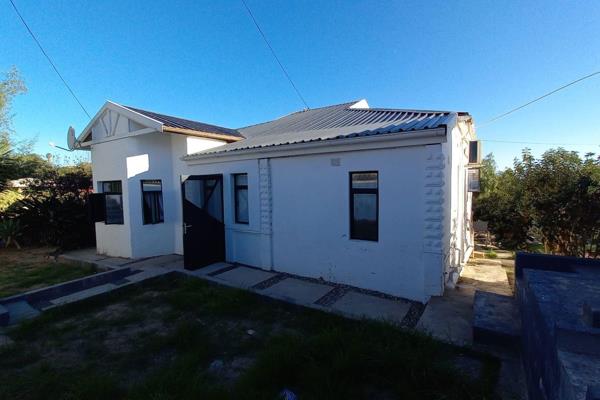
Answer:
[(19, 275), (159, 341)]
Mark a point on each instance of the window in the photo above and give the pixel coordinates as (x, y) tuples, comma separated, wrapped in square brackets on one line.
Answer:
[(152, 201), (364, 206), (113, 202), (240, 185)]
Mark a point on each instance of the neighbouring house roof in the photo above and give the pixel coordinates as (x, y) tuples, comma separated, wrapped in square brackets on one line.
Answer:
[(169, 121), (347, 120)]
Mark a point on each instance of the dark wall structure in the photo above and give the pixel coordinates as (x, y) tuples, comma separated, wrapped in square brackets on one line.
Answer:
[(559, 300)]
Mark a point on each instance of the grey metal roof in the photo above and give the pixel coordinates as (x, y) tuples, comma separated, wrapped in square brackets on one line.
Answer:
[(334, 122), (175, 122)]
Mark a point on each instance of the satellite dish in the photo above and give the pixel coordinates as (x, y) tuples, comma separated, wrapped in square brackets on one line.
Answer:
[(71, 141)]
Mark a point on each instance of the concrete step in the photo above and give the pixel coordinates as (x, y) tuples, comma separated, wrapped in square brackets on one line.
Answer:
[(20, 310), (145, 274), (81, 295), (496, 320)]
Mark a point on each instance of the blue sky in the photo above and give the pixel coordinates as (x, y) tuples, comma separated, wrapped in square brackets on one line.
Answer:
[(206, 61)]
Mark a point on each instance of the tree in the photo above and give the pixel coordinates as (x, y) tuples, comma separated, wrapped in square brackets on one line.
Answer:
[(11, 86), (555, 198)]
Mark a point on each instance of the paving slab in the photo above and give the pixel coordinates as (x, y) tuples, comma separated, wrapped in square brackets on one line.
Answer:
[(169, 260), (486, 276), (297, 291), (244, 277), (113, 262), (209, 269), (449, 317), (84, 294), (358, 304), (146, 274), (86, 255), (20, 310)]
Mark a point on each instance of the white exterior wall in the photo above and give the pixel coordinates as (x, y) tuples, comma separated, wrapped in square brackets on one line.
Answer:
[(458, 235), (121, 155), (311, 220), (244, 243)]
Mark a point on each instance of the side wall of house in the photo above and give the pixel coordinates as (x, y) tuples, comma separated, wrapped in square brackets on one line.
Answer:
[(458, 222)]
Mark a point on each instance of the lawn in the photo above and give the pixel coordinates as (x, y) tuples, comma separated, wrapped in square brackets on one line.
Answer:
[(27, 269), (177, 338)]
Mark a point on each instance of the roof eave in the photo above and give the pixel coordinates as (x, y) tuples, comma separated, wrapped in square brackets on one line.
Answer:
[(399, 139), (208, 135)]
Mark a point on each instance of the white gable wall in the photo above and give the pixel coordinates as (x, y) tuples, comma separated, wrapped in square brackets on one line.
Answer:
[(132, 158)]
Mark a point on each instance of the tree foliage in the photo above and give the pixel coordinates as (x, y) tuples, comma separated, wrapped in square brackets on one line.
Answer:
[(54, 208), (554, 199)]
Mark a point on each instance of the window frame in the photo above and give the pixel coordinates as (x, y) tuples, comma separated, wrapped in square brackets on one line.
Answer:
[(354, 191), (236, 188), (162, 213), (113, 193)]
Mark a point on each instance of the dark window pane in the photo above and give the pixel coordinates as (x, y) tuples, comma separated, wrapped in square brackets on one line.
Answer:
[(241, 198), (112, 187), (194, 192), (152, 203), (364, 180), (365, 207), (214, 203), (241, 202), (364, 197), (241, 179), (114, 208)]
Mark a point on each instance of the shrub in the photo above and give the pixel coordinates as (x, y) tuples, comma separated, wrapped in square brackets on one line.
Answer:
[(54, 209)]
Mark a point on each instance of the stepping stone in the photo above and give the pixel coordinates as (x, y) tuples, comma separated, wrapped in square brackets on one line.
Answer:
[(84, 294), (361, 305), (209, 269), (297, 291), (244, 277), (20, 310), (145, 274), (496, 320)]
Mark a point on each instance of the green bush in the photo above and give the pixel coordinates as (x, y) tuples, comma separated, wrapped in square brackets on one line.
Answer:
[(54, 209)]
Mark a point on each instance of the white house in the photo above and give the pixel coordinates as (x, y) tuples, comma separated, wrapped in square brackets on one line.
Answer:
[(374, 198)]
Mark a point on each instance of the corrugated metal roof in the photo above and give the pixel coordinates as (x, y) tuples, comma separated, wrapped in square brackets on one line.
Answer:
[(334, 122), (175, 122)]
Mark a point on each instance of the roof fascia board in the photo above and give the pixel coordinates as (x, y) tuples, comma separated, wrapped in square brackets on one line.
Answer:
[(209, 135), (416, 138)]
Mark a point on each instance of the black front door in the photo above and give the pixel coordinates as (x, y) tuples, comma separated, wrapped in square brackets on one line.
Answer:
[(203, 227)]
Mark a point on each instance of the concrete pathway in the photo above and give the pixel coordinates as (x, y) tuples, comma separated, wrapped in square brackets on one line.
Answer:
[(447, 318), (450, 317)]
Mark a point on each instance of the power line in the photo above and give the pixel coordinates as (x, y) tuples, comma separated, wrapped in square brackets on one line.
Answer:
[(274, 54), (49, 59), (538, 98), (545, 143)]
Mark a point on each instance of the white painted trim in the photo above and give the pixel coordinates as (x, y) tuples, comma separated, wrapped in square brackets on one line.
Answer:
[(416, 138), (135, 116), (112, 138)]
